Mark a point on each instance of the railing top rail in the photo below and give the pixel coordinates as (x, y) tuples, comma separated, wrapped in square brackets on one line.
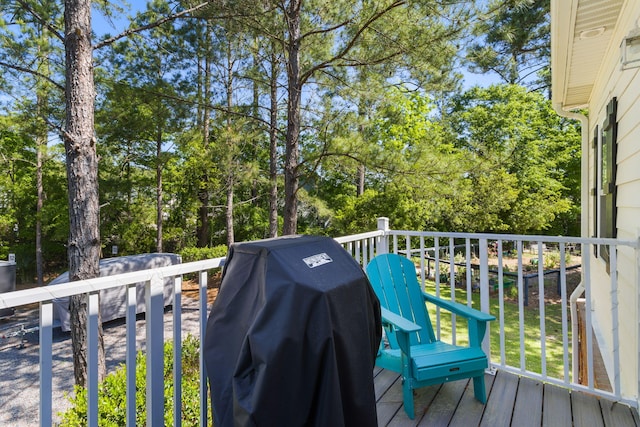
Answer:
[(518, 237), (361, 236), (47, 293)]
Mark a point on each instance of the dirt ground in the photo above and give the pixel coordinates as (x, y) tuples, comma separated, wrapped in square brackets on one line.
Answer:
[(551, 295), (191, 288)]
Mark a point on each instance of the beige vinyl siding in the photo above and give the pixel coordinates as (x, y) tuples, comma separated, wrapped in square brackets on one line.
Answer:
[(628, 200), (628, 309), (625, 86)]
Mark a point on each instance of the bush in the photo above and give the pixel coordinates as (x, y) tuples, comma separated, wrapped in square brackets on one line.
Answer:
[(112, 392), (552, 259), (197, 254)]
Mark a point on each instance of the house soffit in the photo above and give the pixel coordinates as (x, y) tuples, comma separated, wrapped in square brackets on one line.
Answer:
[(587, 34)]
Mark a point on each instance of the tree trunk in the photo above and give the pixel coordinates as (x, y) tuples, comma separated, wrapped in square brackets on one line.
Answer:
[(39, 205), (360, 191), (230, 155), (203, 192), (42, 103), (41, 145), (159, 191), (294, 86), (82, 176), (229, 211), (273, 148)]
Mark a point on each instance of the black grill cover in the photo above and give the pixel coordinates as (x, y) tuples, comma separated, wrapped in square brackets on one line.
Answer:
[(292, 337)]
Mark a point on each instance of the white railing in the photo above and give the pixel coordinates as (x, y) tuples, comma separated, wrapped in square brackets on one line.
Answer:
[(154, 341), (460, 265), (434, 253)]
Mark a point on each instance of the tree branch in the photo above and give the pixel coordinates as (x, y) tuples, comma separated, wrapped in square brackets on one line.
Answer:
[(41, 20), (203, 104), (325, 30), (157, 23), (397, 3), (32, 72)]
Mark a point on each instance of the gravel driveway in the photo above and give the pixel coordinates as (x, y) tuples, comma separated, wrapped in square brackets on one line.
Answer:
[(19, 362)]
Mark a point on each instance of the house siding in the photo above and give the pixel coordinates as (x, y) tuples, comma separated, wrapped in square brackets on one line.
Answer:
[(612, 82)]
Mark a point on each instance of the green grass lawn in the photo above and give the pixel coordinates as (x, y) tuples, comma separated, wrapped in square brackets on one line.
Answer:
[(532, 346)]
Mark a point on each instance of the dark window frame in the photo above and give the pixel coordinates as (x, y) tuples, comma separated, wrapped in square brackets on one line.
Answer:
[(607, 193)]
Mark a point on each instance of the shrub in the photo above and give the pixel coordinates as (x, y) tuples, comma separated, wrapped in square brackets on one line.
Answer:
[(196, 254), (191, 254), (552, 260), (112, 392)]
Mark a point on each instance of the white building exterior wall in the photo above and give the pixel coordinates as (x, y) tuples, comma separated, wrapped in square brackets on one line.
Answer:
[(613, 81)]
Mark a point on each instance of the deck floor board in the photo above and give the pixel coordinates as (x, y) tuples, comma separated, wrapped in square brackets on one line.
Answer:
[(586, 410), (511, 401), (499, 407), (615, 414), (444, 404), (528, 409), (469, 411)]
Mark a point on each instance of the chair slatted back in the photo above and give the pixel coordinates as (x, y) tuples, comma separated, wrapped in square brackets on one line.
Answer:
[(394, 280)]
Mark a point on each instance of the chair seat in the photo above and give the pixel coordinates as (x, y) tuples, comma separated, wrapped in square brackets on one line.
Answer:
[(443, 363), (441, 360)]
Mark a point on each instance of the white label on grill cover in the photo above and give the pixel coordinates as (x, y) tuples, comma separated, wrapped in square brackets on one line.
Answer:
[(317, 260)]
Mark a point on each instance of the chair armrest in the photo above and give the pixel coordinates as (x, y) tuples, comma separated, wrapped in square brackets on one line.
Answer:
[(398, 321), (459, 309), (403, 328)]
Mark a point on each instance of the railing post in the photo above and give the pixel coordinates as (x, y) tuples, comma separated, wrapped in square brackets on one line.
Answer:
[(484, 293), (154, 316), (177, 351), (130, 356), (93, 310), (615, 330), (46, 364), (203, 283), (383, 242)]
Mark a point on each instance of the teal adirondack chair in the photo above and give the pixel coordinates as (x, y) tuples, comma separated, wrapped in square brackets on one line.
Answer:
[(413, 350)]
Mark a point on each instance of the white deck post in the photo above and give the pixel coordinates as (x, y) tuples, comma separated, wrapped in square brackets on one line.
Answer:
[(130, 356), (484, 293), (155, 351), (177, 351), (46, 364), (383, 242), (203, 282), (93, 310)]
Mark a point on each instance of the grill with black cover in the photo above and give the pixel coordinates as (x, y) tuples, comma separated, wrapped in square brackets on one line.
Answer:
[(292, 337)]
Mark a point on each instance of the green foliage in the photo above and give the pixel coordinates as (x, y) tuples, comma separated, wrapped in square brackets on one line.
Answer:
[(500, 161), (358, 214), (513, 42), (197, 254), (112, 392), (406, 168), (191, 99), (552, 259), (521, 153), (18, 199)]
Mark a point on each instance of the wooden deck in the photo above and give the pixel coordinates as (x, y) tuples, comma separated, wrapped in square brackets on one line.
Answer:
[(512, 401)]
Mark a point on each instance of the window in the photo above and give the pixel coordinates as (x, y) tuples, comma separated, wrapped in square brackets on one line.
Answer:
[(606, 189)]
